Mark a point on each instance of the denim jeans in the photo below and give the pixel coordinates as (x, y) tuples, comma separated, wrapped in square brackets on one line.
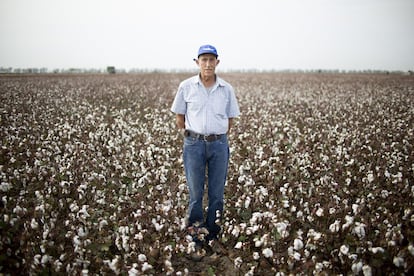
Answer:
[(201, 157)]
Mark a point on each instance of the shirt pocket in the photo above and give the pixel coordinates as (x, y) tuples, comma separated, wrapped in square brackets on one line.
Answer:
[(195, 105), (220, 105)]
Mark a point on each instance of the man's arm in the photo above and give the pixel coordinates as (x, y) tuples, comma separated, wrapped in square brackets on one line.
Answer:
[(230, 125), (180, 121)]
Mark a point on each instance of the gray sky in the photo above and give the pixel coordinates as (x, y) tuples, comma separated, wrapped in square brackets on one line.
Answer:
[(166, 34)]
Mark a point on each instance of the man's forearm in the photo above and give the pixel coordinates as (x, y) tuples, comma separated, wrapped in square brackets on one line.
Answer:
[(180, 121), (230, 124)]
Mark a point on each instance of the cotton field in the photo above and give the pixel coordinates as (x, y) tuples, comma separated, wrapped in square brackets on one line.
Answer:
[(320, 178)]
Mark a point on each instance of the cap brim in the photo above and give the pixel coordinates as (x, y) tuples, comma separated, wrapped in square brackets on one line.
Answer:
[(207, 54)]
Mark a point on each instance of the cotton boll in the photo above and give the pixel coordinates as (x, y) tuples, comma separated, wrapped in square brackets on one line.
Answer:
[(370, 177), (334, 227), (168, 267), (267, 252), (34, 224), (355, 208), (297, 244), (319, 212), (258, 243), (247, 202), (367, 270), (45, 259), (356, 267), (282, 229), (359, 230), (113, 264), (349, 220), (399, 262), (256, 255), (238, 245), (238, 262), (296, 256), (376, 250), (146, 266), (236, 231), (411, 249), (102, 224), (82, 232), (344, 249), (133, 272)]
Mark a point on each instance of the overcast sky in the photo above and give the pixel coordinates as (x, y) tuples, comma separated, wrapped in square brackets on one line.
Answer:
[(166, 34)]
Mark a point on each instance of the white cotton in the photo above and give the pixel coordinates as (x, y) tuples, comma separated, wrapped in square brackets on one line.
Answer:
[(356, 267), (236, 231), (146, 266), (4, 186), (76, 241), (157, 226), (237, 262), (34, 224), (281, 228), (411, 249), (102, 224), (349, 220), (344, 249), (334, 227), (81, 232), (238, 245), (247, 203), (45, 259), (258, 243), (133, 272), (113, 264), (399, 262), (376, 250), (296, 256), (359, 230), (256, 255), (297, 244), (267, 252), (367, 270), (355, 208), (370, 177), (319, 212)]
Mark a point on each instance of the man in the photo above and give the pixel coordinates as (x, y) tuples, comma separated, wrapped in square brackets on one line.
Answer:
[(205, 106)]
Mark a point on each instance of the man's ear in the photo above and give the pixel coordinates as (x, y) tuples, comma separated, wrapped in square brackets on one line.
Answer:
[(196, 61), (217, 62)]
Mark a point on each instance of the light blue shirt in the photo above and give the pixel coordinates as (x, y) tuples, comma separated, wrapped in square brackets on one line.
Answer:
[(206, 112)]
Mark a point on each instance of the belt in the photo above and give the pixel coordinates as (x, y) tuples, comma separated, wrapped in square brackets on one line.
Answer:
[(207, 138)]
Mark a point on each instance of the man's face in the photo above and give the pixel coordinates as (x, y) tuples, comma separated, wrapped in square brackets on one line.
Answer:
[(207, 64)]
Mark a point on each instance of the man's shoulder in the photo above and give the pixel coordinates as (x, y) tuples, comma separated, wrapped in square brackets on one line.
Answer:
[(224, 83), (189, 81)]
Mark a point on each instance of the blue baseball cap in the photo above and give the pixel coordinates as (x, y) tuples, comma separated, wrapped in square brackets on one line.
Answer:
[(207, 49)]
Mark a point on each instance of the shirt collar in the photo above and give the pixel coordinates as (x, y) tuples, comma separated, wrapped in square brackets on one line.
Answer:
[(219, 81)]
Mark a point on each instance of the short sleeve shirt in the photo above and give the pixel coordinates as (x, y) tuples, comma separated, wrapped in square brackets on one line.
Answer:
[(206, 111)]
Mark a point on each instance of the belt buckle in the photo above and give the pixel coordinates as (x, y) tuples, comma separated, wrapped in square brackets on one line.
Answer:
[(211, 137)]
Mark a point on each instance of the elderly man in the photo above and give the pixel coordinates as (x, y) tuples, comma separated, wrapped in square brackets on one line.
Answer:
[(205, 106)]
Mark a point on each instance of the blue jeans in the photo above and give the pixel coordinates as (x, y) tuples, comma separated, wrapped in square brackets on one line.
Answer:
[(199, 156)]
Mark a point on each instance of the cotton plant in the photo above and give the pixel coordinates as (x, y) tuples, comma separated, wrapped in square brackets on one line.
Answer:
[(91, 174)]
